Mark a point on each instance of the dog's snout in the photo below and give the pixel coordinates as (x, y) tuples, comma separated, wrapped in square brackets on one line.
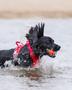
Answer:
[(56, 47)]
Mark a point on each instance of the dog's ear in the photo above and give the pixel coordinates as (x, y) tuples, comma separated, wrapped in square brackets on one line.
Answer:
[(41, 30), (30, 33), (31, 30), (32, 36), (35, 33)]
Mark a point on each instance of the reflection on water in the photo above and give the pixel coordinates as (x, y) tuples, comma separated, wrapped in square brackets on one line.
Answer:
[(18, 78), (24, 78)]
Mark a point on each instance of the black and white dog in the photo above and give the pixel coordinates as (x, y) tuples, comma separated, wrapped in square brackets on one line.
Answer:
[(36, 46)]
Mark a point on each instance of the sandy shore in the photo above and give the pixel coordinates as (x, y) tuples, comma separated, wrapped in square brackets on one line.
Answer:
[(30, 8), (28, 14)]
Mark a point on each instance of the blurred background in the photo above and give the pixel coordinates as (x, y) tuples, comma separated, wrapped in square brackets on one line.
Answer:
[(30, 8)]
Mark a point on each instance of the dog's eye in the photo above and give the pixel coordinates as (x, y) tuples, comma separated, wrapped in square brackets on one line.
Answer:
[(51, 41)]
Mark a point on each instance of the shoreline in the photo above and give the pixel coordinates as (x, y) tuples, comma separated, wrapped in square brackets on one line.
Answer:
[(29, 14)]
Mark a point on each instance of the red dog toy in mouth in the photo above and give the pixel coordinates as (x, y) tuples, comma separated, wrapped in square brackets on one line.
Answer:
[(51, 52)]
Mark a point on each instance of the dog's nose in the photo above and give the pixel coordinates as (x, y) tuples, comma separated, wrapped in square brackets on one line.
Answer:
[(57, 47)]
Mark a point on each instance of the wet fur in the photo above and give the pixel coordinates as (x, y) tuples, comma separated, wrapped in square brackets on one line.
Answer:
[(38, 42)]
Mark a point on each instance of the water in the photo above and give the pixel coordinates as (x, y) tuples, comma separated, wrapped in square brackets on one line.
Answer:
[(53, 74)]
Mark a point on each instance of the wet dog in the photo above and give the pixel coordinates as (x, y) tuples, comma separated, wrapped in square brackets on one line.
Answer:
[(37, 46), (42, 45)]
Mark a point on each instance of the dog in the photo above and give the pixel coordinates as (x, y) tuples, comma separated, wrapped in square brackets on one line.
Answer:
[(37, 45), (42, 45)]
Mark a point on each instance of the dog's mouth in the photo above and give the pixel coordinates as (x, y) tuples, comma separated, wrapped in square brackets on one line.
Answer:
[(51, 52)]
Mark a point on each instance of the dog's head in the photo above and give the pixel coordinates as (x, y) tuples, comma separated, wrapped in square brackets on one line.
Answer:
[(41, 44), (47, 46)]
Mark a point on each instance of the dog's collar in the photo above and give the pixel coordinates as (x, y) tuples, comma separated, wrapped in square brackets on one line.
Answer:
[(34, 58)]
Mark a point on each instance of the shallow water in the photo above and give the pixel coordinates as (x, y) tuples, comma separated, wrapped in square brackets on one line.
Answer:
[(54, 74)]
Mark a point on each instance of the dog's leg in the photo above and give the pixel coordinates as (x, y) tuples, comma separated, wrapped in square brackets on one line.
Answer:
[(2, 61)]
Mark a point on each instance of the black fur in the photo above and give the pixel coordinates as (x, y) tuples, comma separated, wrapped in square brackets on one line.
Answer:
[(45, 43), (38, 42), (6, 55)]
